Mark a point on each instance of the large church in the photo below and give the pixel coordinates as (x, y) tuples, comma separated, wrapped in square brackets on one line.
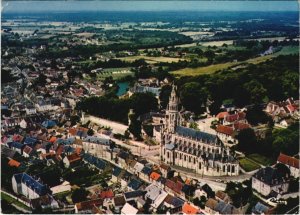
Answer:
[(199, 151)]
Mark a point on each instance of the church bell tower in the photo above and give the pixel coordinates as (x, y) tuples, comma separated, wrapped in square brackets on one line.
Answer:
[(172, 113)]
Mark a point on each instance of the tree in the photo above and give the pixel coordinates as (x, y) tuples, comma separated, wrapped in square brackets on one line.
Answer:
[(90, 132), (247, 141), (79, 195), (256, 91), (164, 95), (143, 103), (135, 126), (256, 115), (193, 97)]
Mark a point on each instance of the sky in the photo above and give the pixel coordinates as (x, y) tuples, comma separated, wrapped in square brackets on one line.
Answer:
[(72, 6)]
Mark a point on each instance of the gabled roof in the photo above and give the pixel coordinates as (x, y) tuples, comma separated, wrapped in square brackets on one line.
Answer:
[(106, 194), (189, 209), (30, 140), (119, 200), (97, 162), (288, 160), (73, 157), (36, 186), (175, 186), (88, 205), (129, 210), (225, 129), (134, 194), (117, 171), (15, 145), (240, 126), (222, 115), (134, 184), (270, 176), (27, 149), (195, 134), (146, 170), (260, 208), (138, 167), (13, 163), (155, 176)]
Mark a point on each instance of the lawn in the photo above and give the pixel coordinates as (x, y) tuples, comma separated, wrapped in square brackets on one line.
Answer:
[(248, 165), (13, 201), (261, 159), (116, 73), (216, 67)]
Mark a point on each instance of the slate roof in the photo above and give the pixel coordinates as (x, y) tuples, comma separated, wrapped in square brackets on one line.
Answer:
[(94, 139), (117, 171), (192, 133), (169, 146), (123, 155), (134, 194), (146, 170), (134, 184), (260, 208), (49, 124), (15, 145), (270, 176), (30, 140), (39, 188), (97, 162)]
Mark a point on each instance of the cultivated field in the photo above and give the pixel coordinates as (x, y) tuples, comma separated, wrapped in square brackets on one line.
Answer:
[(216, 67)]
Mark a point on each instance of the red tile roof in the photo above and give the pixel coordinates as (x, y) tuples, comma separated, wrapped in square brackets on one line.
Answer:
[(222, 115), (235, 117), (175, 186), (73, 157), (154, 176), (106, 194), (189, 209), (241, 126), (89, 204), (14, 163), (73, 131), (288, 160), (225, 129), (27, 150), (52, 139)]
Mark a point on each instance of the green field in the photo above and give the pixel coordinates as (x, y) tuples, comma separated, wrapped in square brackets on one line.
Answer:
[(261, 159), (13, 201), (151, 60), (216, 67), (248, 165)]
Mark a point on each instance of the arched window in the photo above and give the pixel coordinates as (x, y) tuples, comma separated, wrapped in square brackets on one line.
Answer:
[(168, 155), (185, 158), (189, 159), (194, 160), (233, 168), (199, 165), (180, 157)]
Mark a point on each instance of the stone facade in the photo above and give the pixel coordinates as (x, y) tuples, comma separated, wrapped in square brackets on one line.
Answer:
[(199, 151)]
